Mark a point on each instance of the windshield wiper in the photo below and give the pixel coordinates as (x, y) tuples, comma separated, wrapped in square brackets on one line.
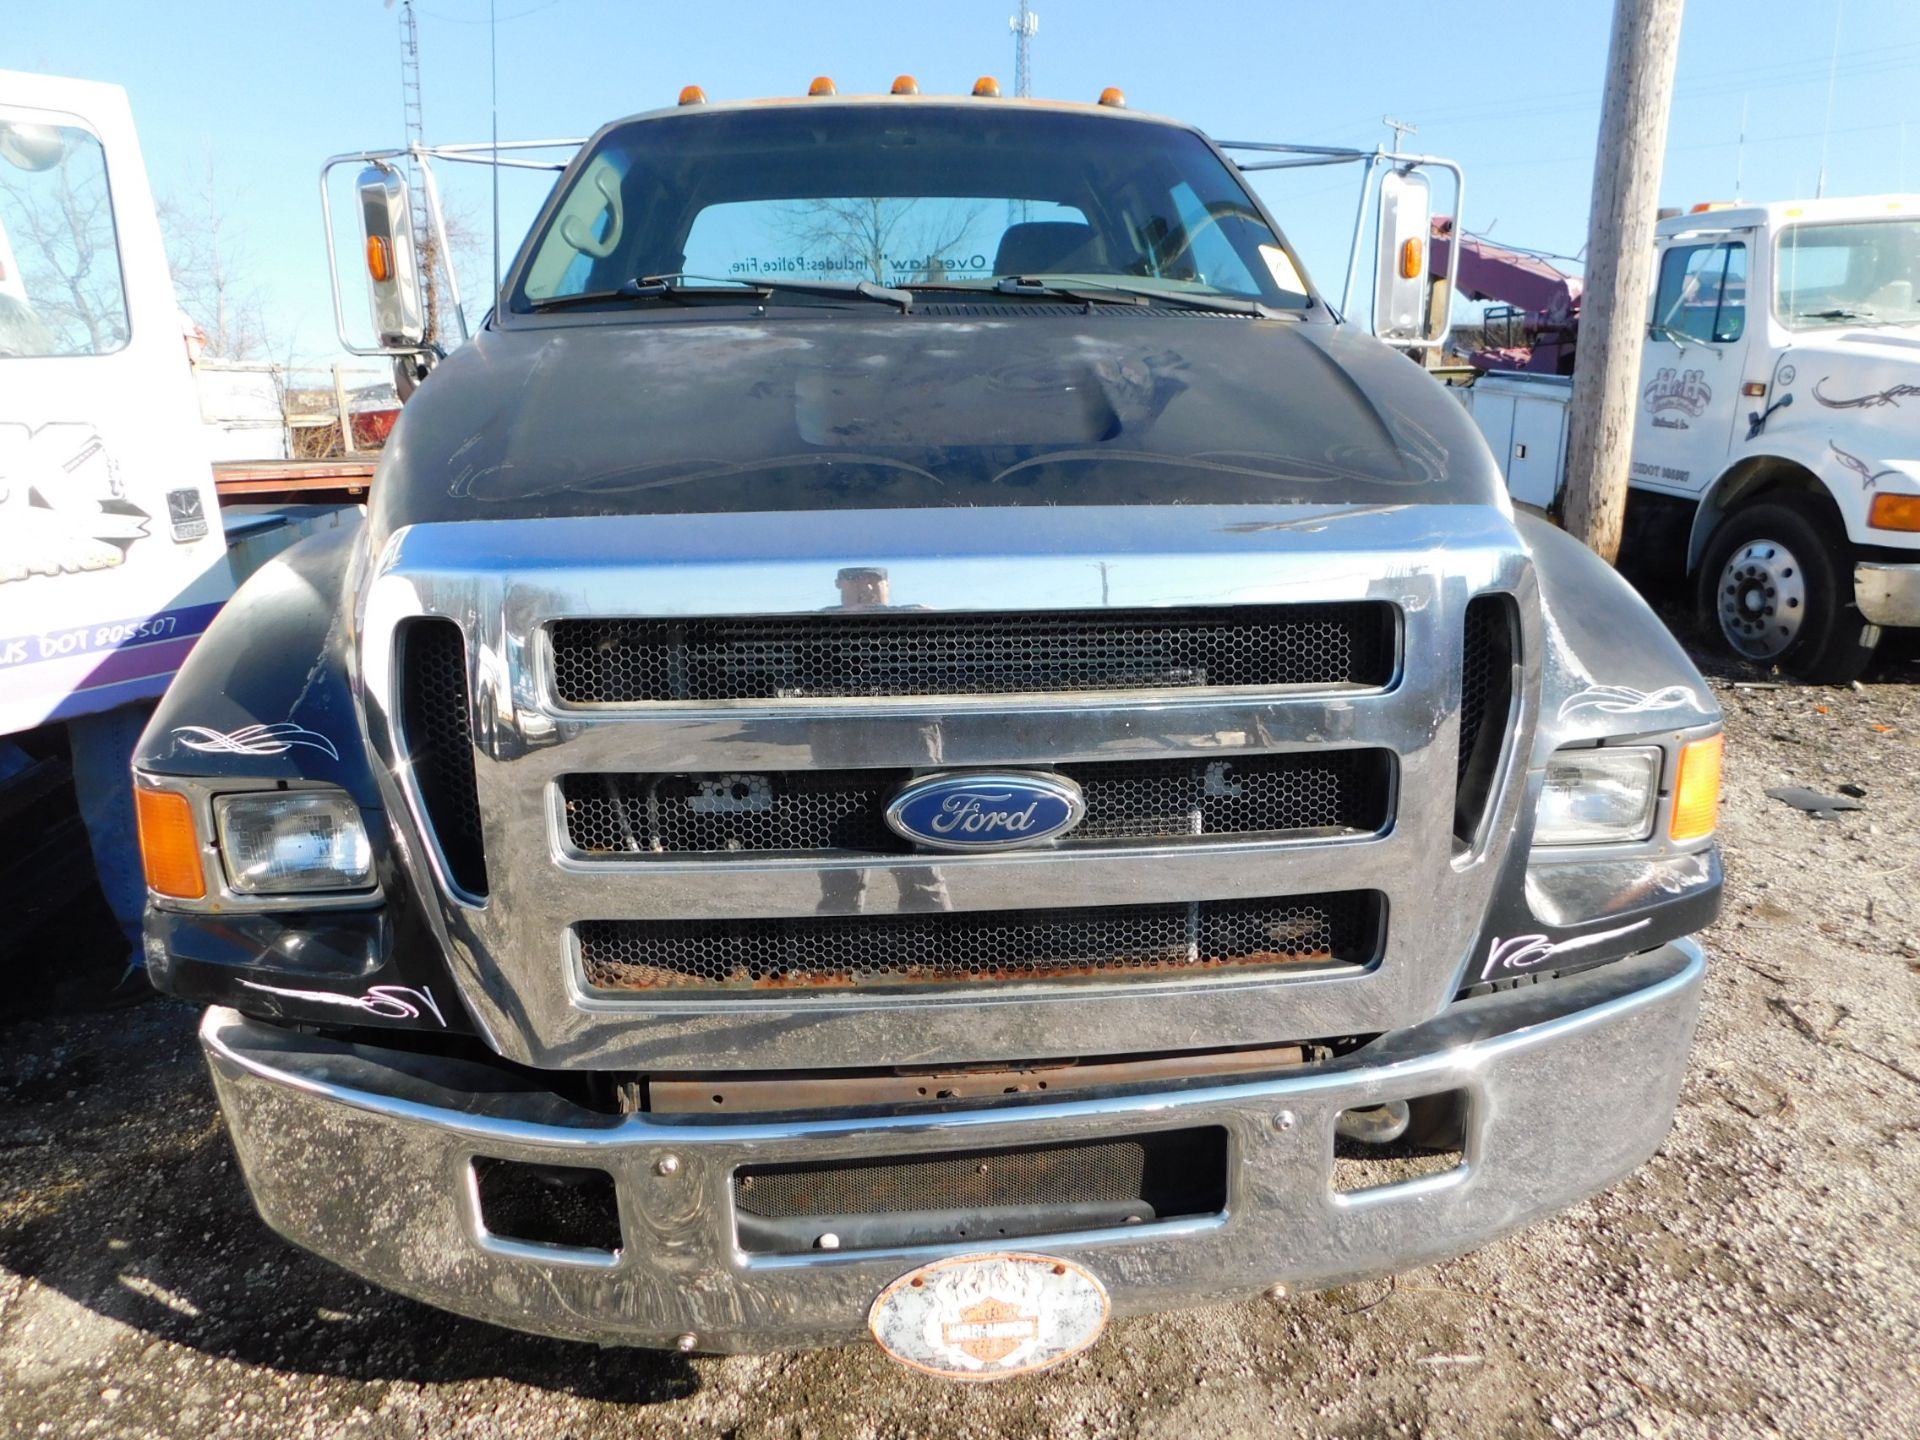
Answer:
[(1836, 314), (664, 287), (1102, 292), (1682, 340)]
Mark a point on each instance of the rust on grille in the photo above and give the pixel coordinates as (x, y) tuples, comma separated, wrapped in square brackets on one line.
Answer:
[(980, 947)]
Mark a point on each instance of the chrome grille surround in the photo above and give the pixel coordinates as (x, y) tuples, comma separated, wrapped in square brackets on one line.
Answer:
[(505, 582)]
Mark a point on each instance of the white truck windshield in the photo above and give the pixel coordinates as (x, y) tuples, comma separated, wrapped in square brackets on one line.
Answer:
[(907, 196), (1859, 272)]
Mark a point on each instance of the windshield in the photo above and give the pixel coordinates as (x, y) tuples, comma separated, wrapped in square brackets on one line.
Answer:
[(907, 195), (60, 288), (1861, 271)]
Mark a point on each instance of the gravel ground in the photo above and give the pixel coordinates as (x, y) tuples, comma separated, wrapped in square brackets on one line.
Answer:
[(1758, 1277)]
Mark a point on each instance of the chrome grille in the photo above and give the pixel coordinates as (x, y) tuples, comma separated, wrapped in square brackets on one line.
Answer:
[(839, 952), (1328, 792), (903, 653)]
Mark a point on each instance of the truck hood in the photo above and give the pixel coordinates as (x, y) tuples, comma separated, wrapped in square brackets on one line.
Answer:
[(950, 406)]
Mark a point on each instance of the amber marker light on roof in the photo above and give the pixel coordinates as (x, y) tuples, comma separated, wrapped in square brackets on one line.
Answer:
[(693, 95), (905, 85), (1696, 794), (987, 86), (1894, 512), (1113, 95), (823, 85), (169, 844)]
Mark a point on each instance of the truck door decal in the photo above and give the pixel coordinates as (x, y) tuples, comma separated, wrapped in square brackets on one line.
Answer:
[(1686, 392)]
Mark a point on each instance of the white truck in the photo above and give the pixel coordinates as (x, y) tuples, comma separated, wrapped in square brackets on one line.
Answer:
[(1777, 446)]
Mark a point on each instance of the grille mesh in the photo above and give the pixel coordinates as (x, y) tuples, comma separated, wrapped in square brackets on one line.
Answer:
[(438, 734), (1486, 698), (908, 653), (811, 811), (818, 952)]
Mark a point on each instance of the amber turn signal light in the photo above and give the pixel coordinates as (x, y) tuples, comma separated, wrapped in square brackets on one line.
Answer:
[(169, 844), (379, 259), (1894, 512), (1696, 795), (1412, 256)]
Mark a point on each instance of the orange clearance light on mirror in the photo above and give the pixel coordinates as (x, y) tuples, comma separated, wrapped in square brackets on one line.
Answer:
[(822, 85), (905, 85), (379, 259), (693, 95), (987, 86), (1113, 95), (1412, 254), (169, 844), (1696, 795), (1894, 512)]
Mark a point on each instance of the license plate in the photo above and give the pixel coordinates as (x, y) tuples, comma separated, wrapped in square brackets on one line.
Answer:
[(986, 1317)]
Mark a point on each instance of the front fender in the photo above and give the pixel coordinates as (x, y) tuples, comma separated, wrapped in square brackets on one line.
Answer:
[(268, 696), (1610, 672)]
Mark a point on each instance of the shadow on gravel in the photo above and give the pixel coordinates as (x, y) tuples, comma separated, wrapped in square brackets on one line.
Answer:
[(119, 1191)]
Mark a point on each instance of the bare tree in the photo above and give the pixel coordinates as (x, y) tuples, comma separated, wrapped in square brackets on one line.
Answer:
[(894, 241), (60, 224), (211, 264)]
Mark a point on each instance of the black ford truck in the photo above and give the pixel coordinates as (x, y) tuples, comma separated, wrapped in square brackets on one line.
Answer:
[(920, 738)]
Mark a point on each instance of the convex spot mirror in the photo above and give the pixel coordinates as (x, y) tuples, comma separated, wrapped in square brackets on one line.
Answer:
[(393, 273), (1401, 287), (31, 147)]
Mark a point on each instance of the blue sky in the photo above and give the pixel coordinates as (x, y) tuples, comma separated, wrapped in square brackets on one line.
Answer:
[(266, 91)]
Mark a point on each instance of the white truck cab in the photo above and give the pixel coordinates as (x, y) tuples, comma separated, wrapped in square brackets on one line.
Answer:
[(112, 557), (1778, 430)]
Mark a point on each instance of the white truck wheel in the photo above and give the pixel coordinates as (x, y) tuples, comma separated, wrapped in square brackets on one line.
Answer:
[(1776, 588)]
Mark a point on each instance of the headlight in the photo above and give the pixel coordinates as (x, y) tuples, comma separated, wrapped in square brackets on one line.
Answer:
[(1595, 796), (290, 841)]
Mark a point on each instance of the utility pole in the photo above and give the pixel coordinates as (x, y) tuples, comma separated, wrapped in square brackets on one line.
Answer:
[(1400, 130), (1619, 279)]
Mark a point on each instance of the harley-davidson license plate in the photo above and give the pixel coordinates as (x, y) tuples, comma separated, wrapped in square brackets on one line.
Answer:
[(985, 1317)]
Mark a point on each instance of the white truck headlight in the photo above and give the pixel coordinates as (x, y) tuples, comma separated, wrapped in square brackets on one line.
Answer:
[(1595, 796), (287, 842)]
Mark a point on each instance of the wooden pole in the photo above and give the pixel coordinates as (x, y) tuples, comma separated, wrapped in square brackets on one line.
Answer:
[(1619, 277), (346, 415)]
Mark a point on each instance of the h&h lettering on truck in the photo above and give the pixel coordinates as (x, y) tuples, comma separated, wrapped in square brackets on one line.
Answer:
[(889, 795)]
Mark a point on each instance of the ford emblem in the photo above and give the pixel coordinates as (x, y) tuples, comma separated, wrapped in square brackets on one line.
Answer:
[(986, 809)]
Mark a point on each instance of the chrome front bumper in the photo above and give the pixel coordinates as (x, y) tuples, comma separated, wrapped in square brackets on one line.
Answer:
[(365, 1157), (1887, 594)]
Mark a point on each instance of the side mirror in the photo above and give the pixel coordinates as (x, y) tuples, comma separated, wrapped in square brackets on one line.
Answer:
[(1401, 287), (393, 271)]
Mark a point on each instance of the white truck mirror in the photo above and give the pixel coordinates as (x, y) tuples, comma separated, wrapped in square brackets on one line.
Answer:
[(393, 272), (31, 147), (1400, 287)]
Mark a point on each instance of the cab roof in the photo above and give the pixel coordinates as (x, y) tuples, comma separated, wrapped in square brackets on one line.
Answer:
[(1775, 213)]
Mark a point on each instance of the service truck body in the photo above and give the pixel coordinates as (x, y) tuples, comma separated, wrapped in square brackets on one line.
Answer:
[(1774, 442), (824, 793)]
